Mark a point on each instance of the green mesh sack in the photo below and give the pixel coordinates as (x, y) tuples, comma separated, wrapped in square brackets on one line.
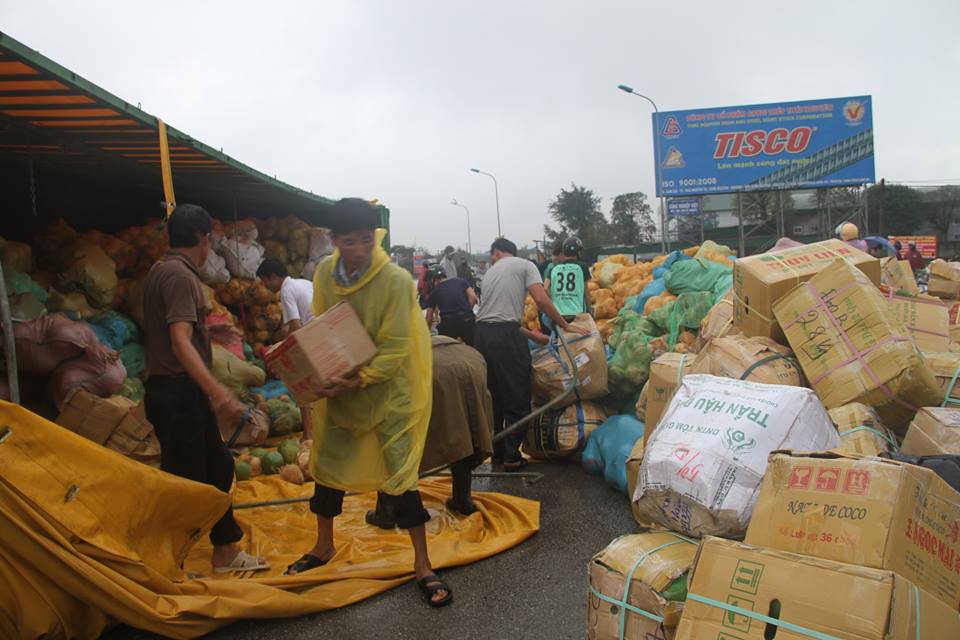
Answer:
[(18, 282), (630, 366), (134, 359), (694, 275), (686, 313), (132, 389), (724, 284)]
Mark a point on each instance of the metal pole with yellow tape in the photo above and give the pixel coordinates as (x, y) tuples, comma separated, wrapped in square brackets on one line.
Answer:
[(169, 199)]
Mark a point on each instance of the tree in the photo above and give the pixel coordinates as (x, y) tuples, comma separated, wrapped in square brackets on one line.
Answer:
[(760, 207), (902, 207), (943, 209), (631, 219), (577, 211)]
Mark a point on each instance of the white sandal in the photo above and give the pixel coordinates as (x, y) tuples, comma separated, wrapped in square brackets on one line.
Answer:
[(243, 562)]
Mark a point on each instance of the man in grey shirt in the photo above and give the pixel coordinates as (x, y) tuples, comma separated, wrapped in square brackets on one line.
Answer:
[(498, 338)]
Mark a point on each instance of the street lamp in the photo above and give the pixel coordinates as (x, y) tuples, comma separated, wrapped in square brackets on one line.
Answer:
[(469, 242), (496, 193), (656, 134)]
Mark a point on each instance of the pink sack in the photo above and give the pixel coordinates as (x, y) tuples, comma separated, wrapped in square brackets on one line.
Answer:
[(44, 343), (100, 373)]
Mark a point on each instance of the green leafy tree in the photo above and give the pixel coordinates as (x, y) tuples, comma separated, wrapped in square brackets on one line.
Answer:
[(577, 212), (631, 219), (902, 209), (943, 209)]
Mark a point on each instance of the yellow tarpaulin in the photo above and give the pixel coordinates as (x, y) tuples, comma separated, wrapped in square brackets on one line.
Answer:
[(91, 538)]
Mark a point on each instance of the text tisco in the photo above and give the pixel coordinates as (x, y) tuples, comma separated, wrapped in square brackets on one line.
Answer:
[(734, 144)]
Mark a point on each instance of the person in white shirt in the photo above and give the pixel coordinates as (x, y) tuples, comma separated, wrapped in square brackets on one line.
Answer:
[(296, 295), (449, 264)]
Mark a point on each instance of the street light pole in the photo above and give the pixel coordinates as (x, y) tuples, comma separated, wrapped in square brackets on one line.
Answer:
[(496, 194), (657, 173), (469, 242)]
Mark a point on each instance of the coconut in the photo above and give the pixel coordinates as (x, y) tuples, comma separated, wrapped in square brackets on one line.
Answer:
[(256, 467)]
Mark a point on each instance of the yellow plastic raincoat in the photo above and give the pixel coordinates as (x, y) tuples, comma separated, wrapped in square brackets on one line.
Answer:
[(372, 438)]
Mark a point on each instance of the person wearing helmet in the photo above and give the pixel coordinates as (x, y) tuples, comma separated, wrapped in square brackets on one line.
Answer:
[(453, 299), (567, 281), (850, 234)]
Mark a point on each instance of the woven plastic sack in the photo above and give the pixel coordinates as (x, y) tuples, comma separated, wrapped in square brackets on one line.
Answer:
[(608, 274), (101, 374), (242, 258), (25, 307), (562, 435), (234, 373), (723, 285), (214, 269), (114, 330), (91, 271), (609, 447), (694, 275), (19, 282), (48, 341)]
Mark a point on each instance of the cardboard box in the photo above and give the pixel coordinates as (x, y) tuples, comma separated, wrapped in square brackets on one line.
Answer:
[(666, 374), (827, 599), (702, 467), (945, 365), (899, 275), (861, 431), (116, 423), (663, 558), (718, 322), (552, 370), (934, 431), (954, 312), (927, 318), (868, 511), (755, 359), (760, 280), (852, 349), (633, 473), (944, 279), (334, 344)]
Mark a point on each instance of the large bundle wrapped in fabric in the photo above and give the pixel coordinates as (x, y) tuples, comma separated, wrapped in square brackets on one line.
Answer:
[(702, 467), (90, 271), (852, 349), (214, 270), (861, 430), (43, 344), (656, 565), (553, 370), (100, 373), (562, 435), (756, 359), (609, 447)]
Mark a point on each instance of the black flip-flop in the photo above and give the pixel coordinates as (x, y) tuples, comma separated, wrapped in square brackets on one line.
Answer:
[(429, 591), (305, 563), (516, 465)]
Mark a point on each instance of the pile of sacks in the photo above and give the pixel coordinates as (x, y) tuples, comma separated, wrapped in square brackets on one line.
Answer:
[(816, 349)]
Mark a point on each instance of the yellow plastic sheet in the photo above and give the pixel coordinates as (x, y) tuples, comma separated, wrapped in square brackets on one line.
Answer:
[(372, 438), (91, 538)]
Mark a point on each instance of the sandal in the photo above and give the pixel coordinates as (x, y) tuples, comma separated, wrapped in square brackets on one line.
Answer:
[(429, 586), (243, 562), (516, 465), (306, 562), (463, 509)]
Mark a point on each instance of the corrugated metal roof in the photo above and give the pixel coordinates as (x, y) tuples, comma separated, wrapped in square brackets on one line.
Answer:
[(64, 122)]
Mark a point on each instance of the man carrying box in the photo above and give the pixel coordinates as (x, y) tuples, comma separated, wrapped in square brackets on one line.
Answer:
[(370, 428)]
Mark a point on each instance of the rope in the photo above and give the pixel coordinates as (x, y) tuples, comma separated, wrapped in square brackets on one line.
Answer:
[(887, 437)]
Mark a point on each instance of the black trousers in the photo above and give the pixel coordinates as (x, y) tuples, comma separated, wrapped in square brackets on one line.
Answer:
[(407, 506), (508, 378), (190, 442), (458, 325)]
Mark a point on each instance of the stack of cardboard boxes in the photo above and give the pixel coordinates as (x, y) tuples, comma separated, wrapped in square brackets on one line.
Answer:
[(841, 543)]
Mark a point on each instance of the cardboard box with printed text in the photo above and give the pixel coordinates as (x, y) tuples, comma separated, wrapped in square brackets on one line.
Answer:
[(934, 431)]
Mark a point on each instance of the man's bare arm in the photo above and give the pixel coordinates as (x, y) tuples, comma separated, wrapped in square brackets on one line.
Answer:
[(225, 404)]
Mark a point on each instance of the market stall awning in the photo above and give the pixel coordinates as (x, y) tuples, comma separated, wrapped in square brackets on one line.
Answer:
[(53, 119)]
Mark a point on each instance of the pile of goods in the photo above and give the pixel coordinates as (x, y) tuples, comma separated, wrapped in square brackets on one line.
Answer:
[(808, 435), (290, 460)]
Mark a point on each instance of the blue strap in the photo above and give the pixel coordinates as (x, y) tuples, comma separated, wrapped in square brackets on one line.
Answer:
[(789, 626), (887, 437), (624, 605), (581, 434), (623, 602)]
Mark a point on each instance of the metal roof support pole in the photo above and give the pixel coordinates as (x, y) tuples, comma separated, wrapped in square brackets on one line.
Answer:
[(169, 199), (33, 183), (10, 343)]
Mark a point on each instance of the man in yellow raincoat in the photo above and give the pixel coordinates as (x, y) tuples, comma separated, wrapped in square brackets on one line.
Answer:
[(369, 431)]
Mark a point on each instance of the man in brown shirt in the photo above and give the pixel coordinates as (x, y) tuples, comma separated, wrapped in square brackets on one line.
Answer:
[(183, 400)]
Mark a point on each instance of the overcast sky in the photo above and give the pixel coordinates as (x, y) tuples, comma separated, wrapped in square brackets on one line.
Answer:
[(396, 100)]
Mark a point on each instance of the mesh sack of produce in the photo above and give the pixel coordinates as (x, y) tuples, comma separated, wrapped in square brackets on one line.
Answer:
[(703, 464), (713, 249), (687, 311), (852, 349), (608, 274), (53, 244), (123, 254), (562, 435), (92, 272), (629, 368), (638, 585), (758, 359), (861, 430), (285, 416), (25, 307), (606, 308), (553, 370), (19, 282), (134, 359), (276, 250), (694, 275), (242, 258), (48, 341), (628, 321), (236, 374), (132, 389), (609, 447), (114, 330), (100, 373), (16, 255), (654, 288)]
